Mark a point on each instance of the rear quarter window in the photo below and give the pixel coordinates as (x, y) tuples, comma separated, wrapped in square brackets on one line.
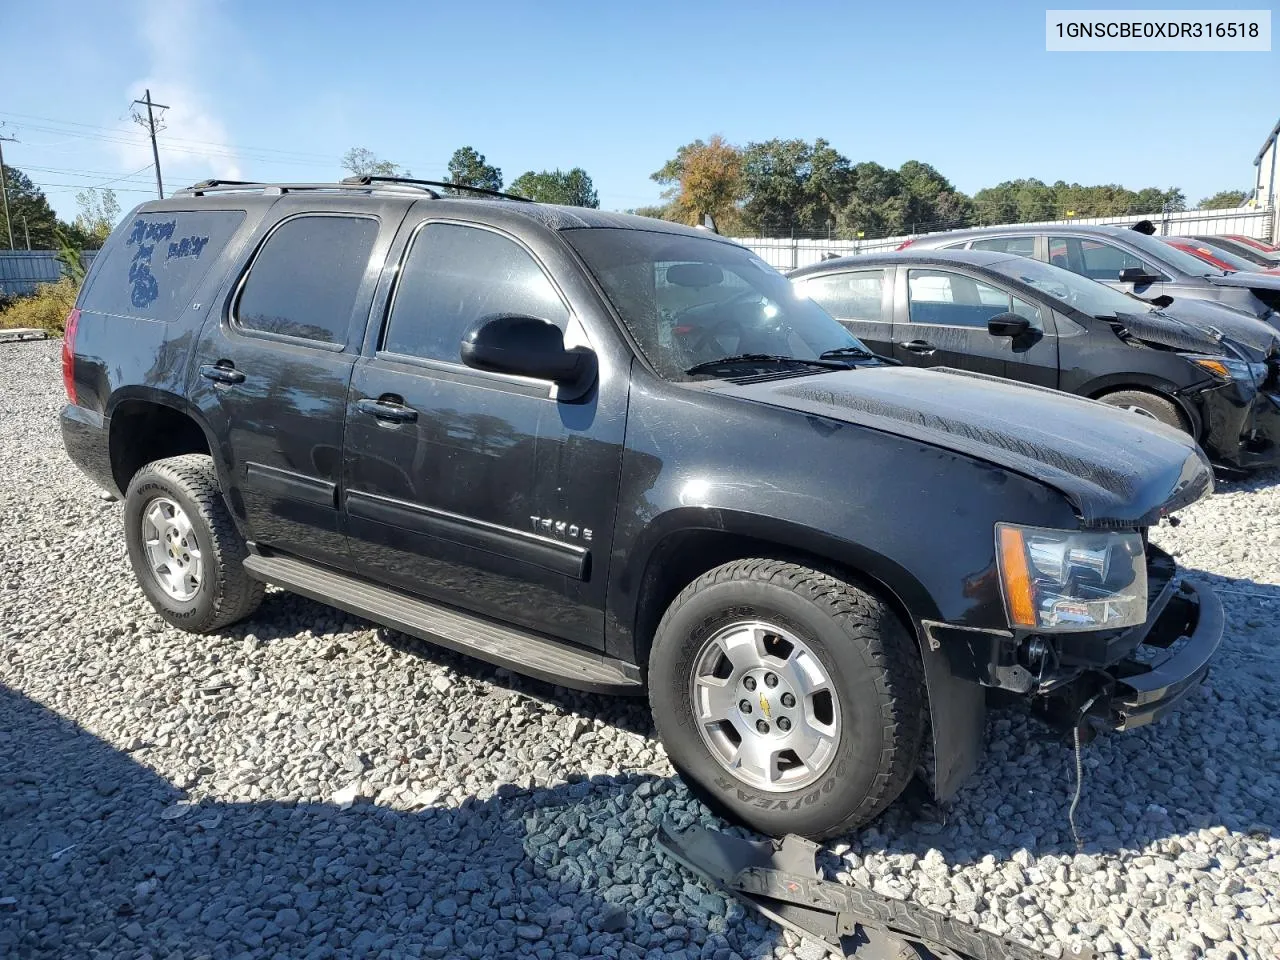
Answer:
[(153, 263)]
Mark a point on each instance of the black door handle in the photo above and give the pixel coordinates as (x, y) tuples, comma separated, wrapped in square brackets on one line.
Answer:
[(224, 372), (922, 347), (387, 408)]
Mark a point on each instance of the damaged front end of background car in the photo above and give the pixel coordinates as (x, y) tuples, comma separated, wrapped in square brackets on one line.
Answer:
[(1237, 398)]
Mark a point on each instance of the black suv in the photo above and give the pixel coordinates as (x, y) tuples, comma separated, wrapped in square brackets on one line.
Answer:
[(1198, 366), (622, 455)]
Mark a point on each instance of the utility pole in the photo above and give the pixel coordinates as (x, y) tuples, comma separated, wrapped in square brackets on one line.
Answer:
[(151, 128), (27, 230), (4, 187)]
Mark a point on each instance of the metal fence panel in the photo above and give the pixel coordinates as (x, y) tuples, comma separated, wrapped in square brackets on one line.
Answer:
[(21, 271)]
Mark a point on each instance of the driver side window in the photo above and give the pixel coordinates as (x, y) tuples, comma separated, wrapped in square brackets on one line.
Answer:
[(942, 298), (455, 276)]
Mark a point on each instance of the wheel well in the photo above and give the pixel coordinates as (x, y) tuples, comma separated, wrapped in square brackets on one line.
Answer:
[(1189, 420), (143, 431), (683, 557)]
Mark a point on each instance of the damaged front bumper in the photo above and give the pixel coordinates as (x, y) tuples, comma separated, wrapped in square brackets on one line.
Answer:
[(1241, 426), (1118, 680), (1171, 660)]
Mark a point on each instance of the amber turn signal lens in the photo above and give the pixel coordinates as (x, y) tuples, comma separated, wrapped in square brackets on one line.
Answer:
[(1017, 578), (1214, 366)]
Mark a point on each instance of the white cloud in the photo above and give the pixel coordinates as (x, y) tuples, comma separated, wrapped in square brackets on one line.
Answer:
[(179, 40)]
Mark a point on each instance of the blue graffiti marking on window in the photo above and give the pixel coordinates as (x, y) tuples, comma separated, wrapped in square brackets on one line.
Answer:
[(186, 247), (145, 287)]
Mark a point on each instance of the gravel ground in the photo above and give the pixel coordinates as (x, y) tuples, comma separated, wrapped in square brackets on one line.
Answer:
[(306, 785)]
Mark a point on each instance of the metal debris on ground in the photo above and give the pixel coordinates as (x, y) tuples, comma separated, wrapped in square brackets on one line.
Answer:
[(19, 334), (781, 880)]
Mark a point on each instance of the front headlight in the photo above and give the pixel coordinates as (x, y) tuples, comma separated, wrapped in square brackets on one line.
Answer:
[(1071, 580), (1226, 368)]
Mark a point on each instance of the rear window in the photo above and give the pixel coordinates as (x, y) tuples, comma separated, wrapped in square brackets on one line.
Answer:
[(305, 280), (154, 262)]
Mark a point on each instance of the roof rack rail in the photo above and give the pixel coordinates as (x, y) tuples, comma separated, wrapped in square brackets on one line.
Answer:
[(269, 189), (370, 180), (366, 182)]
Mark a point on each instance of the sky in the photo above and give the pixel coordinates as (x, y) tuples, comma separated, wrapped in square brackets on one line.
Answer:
[(280, 91)]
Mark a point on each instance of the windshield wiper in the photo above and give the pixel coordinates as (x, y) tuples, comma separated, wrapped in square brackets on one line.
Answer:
[(854, 353), (763, 358)]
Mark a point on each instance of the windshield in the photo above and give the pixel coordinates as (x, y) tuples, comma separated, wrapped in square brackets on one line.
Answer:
[(1171, 255), (688, 300), (1088, 296)]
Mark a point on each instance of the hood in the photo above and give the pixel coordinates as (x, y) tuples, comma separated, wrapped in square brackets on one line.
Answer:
[(1237, 326), (1246, 278), (1115, 468), (1202, 326)]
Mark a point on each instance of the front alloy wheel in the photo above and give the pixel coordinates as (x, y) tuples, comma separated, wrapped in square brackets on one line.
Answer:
[(787, 698), (765, 706)]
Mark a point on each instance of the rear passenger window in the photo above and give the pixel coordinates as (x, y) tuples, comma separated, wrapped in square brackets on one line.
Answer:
[(153, 264), (1019, 246), (849, 296), (305, 279), (454, 277)]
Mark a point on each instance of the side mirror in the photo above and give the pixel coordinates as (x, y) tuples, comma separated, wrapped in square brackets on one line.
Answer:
[(1008, 325), (529, 347), (1135, 275)]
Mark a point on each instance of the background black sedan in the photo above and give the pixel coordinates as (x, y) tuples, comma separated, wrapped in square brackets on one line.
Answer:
[(1216, 376)]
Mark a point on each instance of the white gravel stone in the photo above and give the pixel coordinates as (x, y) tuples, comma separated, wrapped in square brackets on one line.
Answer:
[(477, 833)]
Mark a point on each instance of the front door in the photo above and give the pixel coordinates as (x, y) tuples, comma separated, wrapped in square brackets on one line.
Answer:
[(1104, 262), (273, 371), (944, 324), (481, 490)]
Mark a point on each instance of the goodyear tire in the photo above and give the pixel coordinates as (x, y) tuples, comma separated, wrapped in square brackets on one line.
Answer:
[(787, 699), (185, 549)]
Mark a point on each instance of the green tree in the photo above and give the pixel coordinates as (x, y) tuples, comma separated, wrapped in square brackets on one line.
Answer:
[(467, 167), (1224, 199), (360, 162), (705, 178), (98, 216), (792, 185), (573, 188), (932, 201), (31, 214)]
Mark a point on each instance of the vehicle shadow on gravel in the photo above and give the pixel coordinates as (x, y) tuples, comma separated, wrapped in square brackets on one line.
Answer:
[(281, 612), (98, 853)]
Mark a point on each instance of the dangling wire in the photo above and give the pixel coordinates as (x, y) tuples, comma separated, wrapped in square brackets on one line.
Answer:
[(1075, 801)]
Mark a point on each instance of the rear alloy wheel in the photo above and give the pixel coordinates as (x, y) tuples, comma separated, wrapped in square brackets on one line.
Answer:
[(185, 549), (786, 698), (1149, 405)]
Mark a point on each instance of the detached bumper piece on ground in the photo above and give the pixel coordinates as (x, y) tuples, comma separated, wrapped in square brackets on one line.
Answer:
[(781, 880)]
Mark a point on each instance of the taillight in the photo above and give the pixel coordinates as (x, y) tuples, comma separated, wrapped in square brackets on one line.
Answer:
[(904, 244), (69, 354)]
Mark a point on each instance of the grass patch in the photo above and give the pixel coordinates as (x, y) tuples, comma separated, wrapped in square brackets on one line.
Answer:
[(46, 309)]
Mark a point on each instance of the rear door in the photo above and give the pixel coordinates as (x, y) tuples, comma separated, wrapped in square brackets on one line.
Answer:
[(274, 364), (941, 320), (862, 300)]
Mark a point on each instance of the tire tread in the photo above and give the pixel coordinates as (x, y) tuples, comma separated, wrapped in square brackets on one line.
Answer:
[(892, 649), (236, 595)]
